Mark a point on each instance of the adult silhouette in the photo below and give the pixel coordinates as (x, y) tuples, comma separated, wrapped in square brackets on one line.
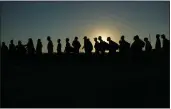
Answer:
[(158, 43), (124, 46), (50, 45), (113, 46), (68, 48), (59, 46), (12, 48), (4, 49), (85, 47), (96, 46), (166, 43), (76, 44), (30, 47), (103, 45), (137, 45), (20, 48), (88, 47), (148, 46), (39, 47)]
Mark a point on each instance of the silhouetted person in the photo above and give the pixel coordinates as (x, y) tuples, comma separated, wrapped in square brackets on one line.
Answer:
[(85, 47), (4, 49), (68, 48), (59, 46), (76, 44), (12, 49), (30, 47), (20, 48), (137, 45), (166, 43), (103, 45), (88, 47), (158, 43), (124, 45), (50, 45), (113, 46), (96, 46), (148, 46), (39, 47)]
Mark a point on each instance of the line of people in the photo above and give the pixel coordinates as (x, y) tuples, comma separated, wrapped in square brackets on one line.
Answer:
[(100, 46)]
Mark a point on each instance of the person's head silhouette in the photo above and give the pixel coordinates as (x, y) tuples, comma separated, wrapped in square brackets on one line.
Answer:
[(85, 37), (136, 37), (95, 39), (76, 38), (157, 36), (30, 40), (11, 41), (67, 39), (108, 39), (19, 42), (3, 43), (59, 40), (163, 36), (145, 39), (48, 38), (38, 40), (100, 38), (122, 37)]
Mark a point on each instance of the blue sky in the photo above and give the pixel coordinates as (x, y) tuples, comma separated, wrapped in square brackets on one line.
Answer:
[(22, 20)]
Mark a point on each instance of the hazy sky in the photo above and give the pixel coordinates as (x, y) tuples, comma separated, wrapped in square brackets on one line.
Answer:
[(21, 20)]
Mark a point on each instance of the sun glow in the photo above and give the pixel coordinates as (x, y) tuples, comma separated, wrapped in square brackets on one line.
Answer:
[(104, 33)]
